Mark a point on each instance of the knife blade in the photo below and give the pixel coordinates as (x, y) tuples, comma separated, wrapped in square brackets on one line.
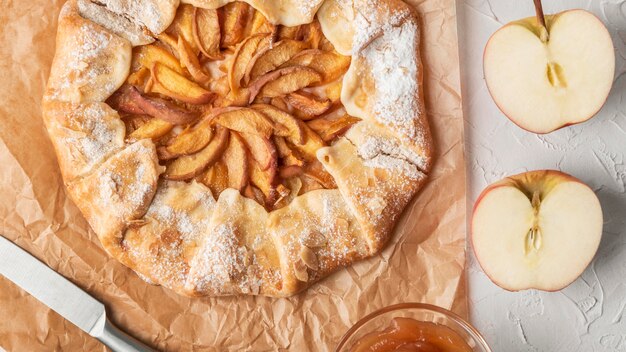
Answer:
[(63, 297)]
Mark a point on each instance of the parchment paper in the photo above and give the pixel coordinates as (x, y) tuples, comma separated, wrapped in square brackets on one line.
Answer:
[(424, 261)]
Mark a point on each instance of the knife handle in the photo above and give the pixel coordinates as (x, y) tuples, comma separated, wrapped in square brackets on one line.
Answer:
[(119, 341)]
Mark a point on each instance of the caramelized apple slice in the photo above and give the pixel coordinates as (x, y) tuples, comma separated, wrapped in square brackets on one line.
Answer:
[(330, 65), (329, 129), (255, 194), (262, 150), (190, 61), (289, 156), (190, 166), (147, 55), (247, 121), (264, 180), (123, 101), (333, 90), (153, 129), (216, 178), (259, 83), (312, 34), (309, 184), (162, 109), (258, 25), (279, 102), (307, 103), (139, 78), (134, 121), (220, 86), (240, 98), (294, 32), (312, 142), (241, 58), (315, 170), (236, 159), (297, 79), (182, 26), (274, 57), (178, 87), (189, 141), (290, 171), (206, 32), (285, 124), (169, 41), (235, 17)]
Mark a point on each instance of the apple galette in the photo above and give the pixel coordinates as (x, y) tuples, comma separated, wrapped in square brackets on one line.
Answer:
[(220, 147)]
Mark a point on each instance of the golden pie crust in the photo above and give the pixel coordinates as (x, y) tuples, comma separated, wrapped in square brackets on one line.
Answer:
[(176, 234)]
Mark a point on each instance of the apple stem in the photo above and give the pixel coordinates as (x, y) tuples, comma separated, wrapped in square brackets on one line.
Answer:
[(542, 20)]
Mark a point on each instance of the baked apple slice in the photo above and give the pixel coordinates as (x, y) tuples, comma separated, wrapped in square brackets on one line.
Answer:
[(183, 27), (290, 171), (189, 141), (245, 120), (264, 180), (289, 82), (285, 125), (312, 142), (287, 154), (315, 170), (243, 54), (259, 24), (190, 62), (262, 150), (274, 57), (206, 32), (312, 34), (235, 18), (168, 82), (147, 55), (308, 104), (216, 178), (255, 194), (329, 129), (139, 78), (330, 65), (122, 101), (162, 109), (190, 166), (152, 129), (236, 159)]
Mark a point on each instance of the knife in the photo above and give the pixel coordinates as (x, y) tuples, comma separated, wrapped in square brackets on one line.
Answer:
[(63, 297)]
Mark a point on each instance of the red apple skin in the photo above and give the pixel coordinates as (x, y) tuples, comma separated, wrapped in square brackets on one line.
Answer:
[(511, 181), (515, 122)]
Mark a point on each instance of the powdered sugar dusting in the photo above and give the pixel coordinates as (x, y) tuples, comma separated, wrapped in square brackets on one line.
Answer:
[(184, 207), (93, 134), (322, 214), (308, 6), (220, 259), (79, 68), (125, 182), (394, 69), (145, 13), (381, 152), (388, 43)]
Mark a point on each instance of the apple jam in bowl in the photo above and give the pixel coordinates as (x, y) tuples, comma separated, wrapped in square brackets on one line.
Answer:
[(412, 327)]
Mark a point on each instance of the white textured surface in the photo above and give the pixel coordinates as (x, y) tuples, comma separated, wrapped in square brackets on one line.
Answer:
[(590, 314)]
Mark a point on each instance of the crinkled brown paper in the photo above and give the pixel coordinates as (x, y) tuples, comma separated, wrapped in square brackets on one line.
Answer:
[(424, 263)]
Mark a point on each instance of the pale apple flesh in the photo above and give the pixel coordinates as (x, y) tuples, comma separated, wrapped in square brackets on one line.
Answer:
[(543, 81), (536, 230)]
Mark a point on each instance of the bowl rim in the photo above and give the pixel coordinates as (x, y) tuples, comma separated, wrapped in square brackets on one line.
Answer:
[(413, 305)]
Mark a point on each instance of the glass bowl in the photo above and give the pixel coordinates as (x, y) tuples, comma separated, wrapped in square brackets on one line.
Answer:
[(381, 319)]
